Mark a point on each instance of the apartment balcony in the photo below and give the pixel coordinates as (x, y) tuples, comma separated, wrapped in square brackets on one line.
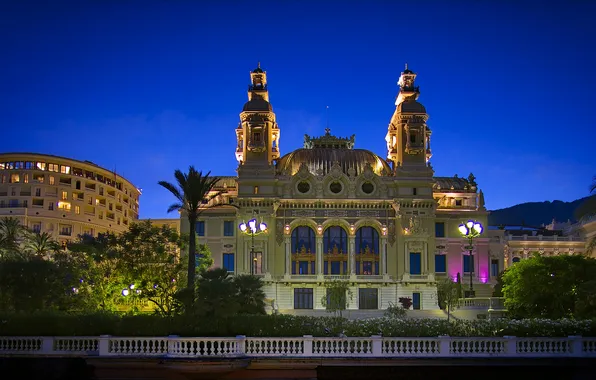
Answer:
[(14, 205)]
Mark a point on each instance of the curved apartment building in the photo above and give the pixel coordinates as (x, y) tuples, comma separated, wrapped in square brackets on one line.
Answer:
[(65, 197)]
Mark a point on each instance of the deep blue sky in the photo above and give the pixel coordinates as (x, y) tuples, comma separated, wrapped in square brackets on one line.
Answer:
[(147, 87)]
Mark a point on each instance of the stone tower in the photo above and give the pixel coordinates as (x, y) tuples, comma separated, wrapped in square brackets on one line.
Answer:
[(408, 136), (257, 134)]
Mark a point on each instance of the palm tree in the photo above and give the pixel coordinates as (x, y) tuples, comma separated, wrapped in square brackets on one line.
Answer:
[(11, 235), (194, 193), (41, 244)]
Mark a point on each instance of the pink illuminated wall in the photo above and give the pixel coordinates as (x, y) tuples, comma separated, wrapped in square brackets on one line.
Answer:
[(481, 261)]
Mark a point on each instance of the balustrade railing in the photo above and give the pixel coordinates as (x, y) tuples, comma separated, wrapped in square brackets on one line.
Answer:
[(306, 346)]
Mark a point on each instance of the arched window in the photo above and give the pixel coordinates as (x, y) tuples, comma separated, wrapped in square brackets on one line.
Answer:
[(335, 240), (303, 240), (367, 240), (335, 251), (516, 260)]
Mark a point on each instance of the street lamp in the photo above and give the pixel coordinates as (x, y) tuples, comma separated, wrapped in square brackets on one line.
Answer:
[(470, 230), (252, 228)]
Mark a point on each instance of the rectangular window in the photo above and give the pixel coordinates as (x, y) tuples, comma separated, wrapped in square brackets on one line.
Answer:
[(41, 165), (440, 263), (439, 229), (52, 180), (36, 227), (77, 209), (415, 263), (65, 169), (64, 206), (257, 263), (51, 206), (494, 267), (368, 299), (26, 178), (228, 228), (414, 191), (200, 228), (228, 261), (467, 260), (65, 195), (255, 190), (458, 202), (54, 167), (303, 298), (15, 178), (65, 230)]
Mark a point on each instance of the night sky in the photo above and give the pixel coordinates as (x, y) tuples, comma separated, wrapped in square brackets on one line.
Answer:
[(146, 87)]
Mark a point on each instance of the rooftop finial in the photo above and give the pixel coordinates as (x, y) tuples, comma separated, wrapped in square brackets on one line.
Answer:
[(406, 65), (259, 65)]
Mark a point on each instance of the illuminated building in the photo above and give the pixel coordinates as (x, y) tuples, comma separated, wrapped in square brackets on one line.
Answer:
[(388, 226), (65, 197)]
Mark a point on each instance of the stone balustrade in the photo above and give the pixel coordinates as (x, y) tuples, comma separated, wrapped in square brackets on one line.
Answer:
[(306, 346)]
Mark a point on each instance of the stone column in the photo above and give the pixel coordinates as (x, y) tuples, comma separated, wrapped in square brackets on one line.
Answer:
[(319, 255), (288, 241), (406, 258), (352, 253)]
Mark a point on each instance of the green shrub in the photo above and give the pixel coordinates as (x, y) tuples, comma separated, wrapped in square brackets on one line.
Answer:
[(60, 324)]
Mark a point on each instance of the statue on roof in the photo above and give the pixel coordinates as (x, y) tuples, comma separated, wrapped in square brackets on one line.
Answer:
[(472, 180)]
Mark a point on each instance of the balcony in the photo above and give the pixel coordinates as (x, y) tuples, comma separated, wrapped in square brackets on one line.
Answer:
[(25, 193), (14, 205)]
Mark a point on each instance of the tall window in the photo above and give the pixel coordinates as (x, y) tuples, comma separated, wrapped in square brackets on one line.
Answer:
[(303, 250), (467, 261), (257, 263), (303, 298), (439, 229), (228, 262), (440, 264), (200, 228), (415, 263), (303, 239), (494, 267), (335, 240), (367, 240), (228, 228)]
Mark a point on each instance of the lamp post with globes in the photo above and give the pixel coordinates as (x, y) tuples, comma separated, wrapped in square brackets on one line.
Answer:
[(252, 228), (471, 230)]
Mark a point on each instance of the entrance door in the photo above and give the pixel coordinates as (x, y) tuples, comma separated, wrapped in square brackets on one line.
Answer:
[(416, 301)]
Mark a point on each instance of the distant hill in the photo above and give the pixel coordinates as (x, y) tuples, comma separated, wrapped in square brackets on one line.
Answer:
[(535, 213)]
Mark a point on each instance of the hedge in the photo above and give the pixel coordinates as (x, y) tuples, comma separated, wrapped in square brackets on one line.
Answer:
[(52, 324)]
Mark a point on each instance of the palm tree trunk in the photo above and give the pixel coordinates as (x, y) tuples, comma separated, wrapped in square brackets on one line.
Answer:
[(192, 246)]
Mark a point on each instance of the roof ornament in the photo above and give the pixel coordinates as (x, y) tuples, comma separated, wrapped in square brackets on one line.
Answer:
[(259, 65), (406, 65)]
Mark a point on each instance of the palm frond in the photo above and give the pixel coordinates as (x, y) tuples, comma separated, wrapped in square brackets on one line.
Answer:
[(175, 207), (172, 189)]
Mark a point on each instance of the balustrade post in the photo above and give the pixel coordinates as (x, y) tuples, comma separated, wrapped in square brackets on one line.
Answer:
[(307, 345), (173, 345), (47, 345), (444, 345), (241, 345), (377, 345), (104, 345), (510, 345), (576, 348)]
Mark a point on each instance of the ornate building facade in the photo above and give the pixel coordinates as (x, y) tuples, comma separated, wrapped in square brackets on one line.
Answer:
[(65, 197), (334, 211)]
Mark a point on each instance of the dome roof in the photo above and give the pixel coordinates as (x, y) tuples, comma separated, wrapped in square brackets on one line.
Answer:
[(411, 106), (257, 103), (324, 158)]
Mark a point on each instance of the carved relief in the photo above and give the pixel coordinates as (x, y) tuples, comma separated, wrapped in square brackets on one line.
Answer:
[(303, 213), (391, 233)]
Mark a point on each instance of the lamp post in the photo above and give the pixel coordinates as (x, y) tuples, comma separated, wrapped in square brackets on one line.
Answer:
[(471, 230), (252, 228)]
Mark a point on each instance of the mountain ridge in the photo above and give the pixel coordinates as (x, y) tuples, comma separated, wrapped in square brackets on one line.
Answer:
[(535, 213)]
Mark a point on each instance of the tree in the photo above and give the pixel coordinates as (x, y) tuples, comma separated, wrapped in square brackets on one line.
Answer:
[(249, 294), (448, 295), (98, 271), (216, 294), (31, 283), (194, 193), (338, 296), (551, 287), (11, 236), (149, 262), (41, 244)]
